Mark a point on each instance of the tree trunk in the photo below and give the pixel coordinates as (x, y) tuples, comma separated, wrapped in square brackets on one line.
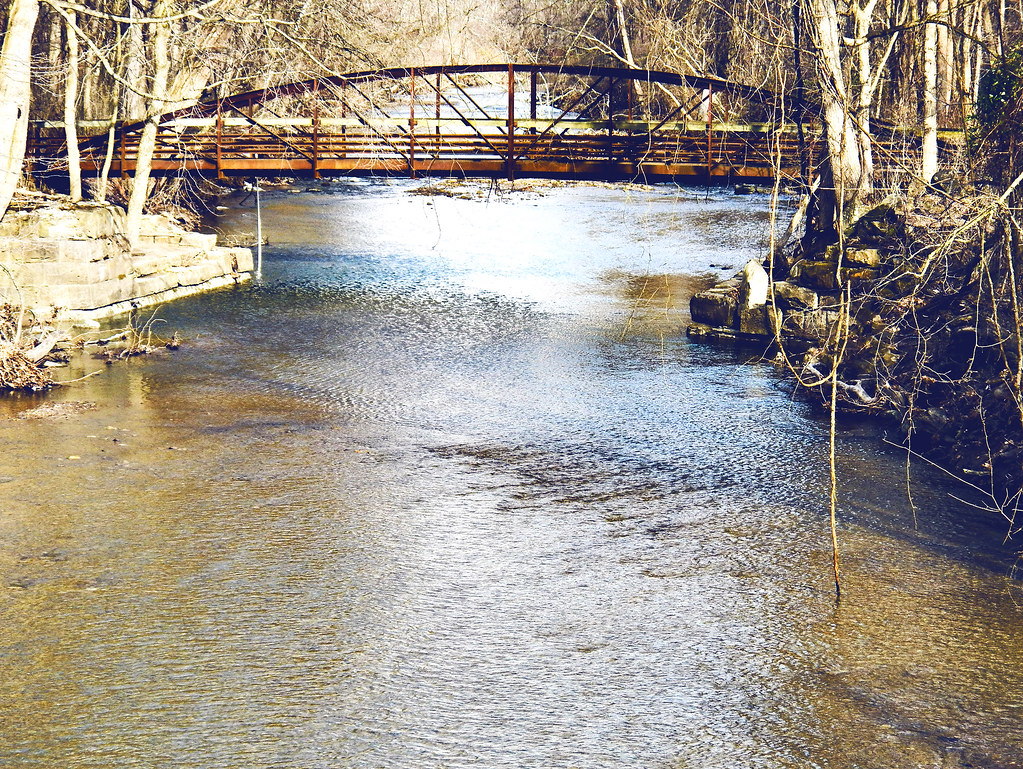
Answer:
[(132, 105), (978, 64), (966, 58), (864, 100), (70, 111), (15, 94), (147, 142), (946, 58), (929, 162), (851, 181), (102, 183), (623, 33)]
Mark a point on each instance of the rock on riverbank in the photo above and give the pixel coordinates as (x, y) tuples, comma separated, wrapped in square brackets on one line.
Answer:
[(921, 308), (73, 262)]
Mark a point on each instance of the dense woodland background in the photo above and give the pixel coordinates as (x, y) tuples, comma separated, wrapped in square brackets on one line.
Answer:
[(922, 64)]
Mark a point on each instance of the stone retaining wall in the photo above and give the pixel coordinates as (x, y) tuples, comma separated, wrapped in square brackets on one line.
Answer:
[(74, 261)]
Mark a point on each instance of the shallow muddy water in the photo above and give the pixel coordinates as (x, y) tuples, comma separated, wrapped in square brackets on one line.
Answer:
[(449, 488)]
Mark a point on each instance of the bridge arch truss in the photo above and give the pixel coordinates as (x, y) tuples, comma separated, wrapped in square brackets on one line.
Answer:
[(503, 120)]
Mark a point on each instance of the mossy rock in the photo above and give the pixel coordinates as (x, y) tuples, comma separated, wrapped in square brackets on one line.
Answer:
[(819, 276), (897, 287), (863, 257), (858, 276), (883, 225)]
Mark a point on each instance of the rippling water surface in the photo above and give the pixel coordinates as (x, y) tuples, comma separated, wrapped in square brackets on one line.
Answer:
[(450, 488)]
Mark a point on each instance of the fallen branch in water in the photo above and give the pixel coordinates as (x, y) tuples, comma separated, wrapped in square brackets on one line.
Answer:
[(19, 358), (19, 372), (854, 392)]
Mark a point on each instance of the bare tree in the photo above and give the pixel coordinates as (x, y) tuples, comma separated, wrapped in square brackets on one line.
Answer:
[(155, 108), (848, 170), (15, 94), (71, 76), (929, 163)]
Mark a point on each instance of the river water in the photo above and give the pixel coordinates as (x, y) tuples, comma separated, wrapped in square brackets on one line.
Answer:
[(449, 488)]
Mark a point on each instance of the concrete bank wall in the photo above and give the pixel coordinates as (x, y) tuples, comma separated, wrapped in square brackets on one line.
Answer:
[(77, 260)]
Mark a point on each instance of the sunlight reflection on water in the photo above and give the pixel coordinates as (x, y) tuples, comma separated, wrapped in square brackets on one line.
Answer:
[(464, 495)]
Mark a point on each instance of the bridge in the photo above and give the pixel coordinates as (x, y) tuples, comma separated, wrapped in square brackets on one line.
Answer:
[(502, 120)]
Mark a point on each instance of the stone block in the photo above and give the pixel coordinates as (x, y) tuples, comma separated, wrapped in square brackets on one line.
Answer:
[(81, 250), (117, 246), (789, 296), (151, 284), (75, 297), (880, 225), (68, 272), (753, 284), (821, 323), (87, 267), (699, 331), (858, 276), (243, 258), (715, 307), (819, 276), (161, 239), (100, 221), (863, 257), (148, 264), (761, 321), (198, 273), (23, 250), (199, 240), (10, 225), (155, 224), (234, 260)]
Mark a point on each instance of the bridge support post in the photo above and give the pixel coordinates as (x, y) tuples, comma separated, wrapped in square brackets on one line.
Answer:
[(412, 126), (436, 145), (123, 169), (316, 129), (710, 121), (532, 95), (611, 126), (343, 111), (220, 142), (510, 163)]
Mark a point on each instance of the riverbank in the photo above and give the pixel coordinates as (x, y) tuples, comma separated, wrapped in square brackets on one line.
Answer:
[(67, 266), (72, 261), (918, 307)]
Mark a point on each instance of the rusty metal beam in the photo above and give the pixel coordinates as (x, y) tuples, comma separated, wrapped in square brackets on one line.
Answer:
[(465, 121)]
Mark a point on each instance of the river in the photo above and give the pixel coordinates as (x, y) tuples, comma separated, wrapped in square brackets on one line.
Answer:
[(449, 487)]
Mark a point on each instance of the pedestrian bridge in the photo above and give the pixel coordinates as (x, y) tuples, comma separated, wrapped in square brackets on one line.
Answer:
[(506, 120)]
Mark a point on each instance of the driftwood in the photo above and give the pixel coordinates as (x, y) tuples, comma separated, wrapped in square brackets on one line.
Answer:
[(854, 392), (18, 372), (43, 347)]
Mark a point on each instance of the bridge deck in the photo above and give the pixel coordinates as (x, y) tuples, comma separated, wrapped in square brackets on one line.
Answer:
[(617, 152)]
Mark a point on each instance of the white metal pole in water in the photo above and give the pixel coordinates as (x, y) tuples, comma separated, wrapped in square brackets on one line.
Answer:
[(259, 236)]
